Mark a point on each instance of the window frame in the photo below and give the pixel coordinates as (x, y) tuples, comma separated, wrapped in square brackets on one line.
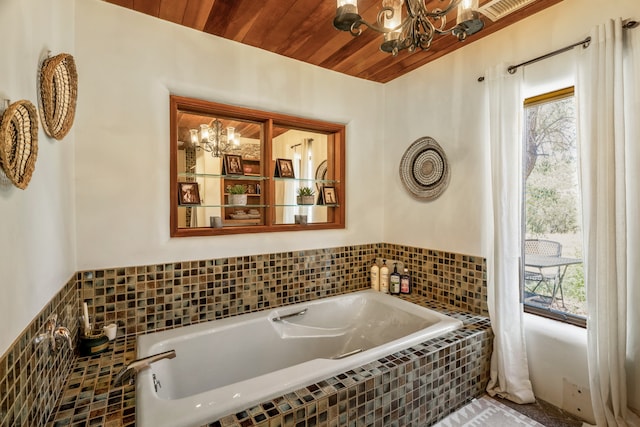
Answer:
[(336, 133), (549, 313)]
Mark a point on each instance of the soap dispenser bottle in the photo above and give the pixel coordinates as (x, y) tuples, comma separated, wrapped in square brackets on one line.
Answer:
[(375, 276), (384, 277), (405, 282), (394, 280)]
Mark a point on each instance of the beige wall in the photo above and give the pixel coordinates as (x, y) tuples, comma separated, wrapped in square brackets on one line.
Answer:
[(444, 100), (37, 225), (122, 164)]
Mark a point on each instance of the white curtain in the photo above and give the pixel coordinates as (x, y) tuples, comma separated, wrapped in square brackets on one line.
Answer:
[(509, 369), (608, 94)]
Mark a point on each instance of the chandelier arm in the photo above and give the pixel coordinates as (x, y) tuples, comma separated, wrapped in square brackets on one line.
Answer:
[(378, 26), (436, 13)]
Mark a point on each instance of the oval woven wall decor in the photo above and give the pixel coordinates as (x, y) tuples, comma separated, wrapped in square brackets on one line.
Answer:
[(19, 142), (59, 92), (424, 169)]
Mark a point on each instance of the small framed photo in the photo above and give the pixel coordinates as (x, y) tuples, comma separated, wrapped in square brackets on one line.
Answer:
[(284, 168), (233, 164), (251, 189), (329, 196), (188, 193)]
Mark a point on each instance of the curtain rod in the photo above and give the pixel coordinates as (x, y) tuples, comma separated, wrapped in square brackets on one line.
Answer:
[(584, 43)]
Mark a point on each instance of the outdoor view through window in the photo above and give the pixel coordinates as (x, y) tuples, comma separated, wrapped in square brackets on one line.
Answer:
[(553, 282)]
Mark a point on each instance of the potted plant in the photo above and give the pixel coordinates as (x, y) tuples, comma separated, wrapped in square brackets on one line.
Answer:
[(305, 196), (238, 195)]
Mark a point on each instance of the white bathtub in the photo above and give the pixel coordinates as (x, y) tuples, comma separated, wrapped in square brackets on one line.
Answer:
[(228, 365)]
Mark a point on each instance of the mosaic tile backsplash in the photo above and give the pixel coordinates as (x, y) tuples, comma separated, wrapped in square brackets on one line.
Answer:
[(150, 298), (31, 377)]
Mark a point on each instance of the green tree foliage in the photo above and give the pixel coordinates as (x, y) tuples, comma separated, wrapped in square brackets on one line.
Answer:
[(551, 180)]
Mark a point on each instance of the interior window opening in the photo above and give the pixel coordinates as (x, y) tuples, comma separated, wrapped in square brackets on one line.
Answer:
[(553, 280)]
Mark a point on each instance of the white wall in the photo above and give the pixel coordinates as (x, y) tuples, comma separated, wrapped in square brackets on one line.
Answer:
[(444, 100), (37, 246), (122, 170)]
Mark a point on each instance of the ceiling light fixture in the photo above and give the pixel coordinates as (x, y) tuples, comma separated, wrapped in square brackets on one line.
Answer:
[(214, 138), (417, 29)]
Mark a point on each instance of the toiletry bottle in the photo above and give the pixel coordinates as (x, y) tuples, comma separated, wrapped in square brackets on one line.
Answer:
[(384, 277), (405, 282), (375, 276), (394, 280)]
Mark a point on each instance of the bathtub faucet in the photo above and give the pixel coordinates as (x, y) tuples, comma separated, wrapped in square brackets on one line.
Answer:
[(53, 333), (127, 373)]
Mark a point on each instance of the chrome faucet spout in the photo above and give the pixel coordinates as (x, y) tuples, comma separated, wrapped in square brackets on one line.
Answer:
[(63, 333), (52, 333), (127, 373)]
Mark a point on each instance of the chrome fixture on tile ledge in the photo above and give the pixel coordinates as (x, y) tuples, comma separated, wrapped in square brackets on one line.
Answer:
[(126, 374), (54, 332)]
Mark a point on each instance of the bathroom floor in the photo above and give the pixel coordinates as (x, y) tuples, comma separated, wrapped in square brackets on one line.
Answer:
[(544, 413)]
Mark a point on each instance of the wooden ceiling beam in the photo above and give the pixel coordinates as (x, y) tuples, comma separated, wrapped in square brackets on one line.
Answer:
[(197, 13), (173, 10)]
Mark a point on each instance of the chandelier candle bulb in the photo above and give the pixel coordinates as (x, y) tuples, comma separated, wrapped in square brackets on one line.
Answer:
[(392, 19), (346, 15)]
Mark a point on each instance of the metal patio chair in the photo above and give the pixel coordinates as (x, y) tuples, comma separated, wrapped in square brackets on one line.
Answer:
[(539, 276)]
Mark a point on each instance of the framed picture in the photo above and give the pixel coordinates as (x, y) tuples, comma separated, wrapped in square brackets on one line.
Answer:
[(329, 196), (188, 193), (233, 164), (251, 189), (284, 168)]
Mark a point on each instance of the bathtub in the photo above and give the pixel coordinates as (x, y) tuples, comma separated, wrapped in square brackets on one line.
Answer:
[(225, 366)]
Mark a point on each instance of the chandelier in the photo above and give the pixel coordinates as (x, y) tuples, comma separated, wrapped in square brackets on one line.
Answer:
[(418, 27), (214, 138)]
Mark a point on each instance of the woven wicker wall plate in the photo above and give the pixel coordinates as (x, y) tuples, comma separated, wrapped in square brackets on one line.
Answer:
[(58, 92), (424, 169), (19, 142)]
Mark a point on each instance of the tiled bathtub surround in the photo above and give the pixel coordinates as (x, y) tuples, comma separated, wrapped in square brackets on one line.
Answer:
[(30, 377), (155, 297), (413, 387)]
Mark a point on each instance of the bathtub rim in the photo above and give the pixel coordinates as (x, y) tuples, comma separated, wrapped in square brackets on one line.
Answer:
[(147, 342)]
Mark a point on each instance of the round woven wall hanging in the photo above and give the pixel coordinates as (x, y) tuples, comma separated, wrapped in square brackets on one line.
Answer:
[(59, 92), (424, 169), (19, 142)]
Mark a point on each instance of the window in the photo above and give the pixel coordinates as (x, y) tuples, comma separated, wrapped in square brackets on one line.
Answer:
[(553, 279)]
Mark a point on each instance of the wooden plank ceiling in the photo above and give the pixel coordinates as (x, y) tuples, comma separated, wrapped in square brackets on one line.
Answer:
[(303, 30)]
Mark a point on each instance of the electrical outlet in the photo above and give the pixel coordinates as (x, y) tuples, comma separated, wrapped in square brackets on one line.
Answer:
[(576, 400)]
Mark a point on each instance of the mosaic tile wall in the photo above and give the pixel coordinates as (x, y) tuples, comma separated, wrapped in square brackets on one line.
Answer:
[(31, 377), (149, 298), (454, 279), (164, 296), (152, 298)]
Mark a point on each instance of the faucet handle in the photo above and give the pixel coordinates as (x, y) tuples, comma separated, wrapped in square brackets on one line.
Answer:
[(62, 332)]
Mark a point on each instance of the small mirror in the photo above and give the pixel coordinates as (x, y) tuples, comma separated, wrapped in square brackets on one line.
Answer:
[(298, 198), (221, 156)]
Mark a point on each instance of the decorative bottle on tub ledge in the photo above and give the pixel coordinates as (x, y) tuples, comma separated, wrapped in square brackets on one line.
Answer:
[(384, 277), (394, 280), (375, 276), (405, 282)]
